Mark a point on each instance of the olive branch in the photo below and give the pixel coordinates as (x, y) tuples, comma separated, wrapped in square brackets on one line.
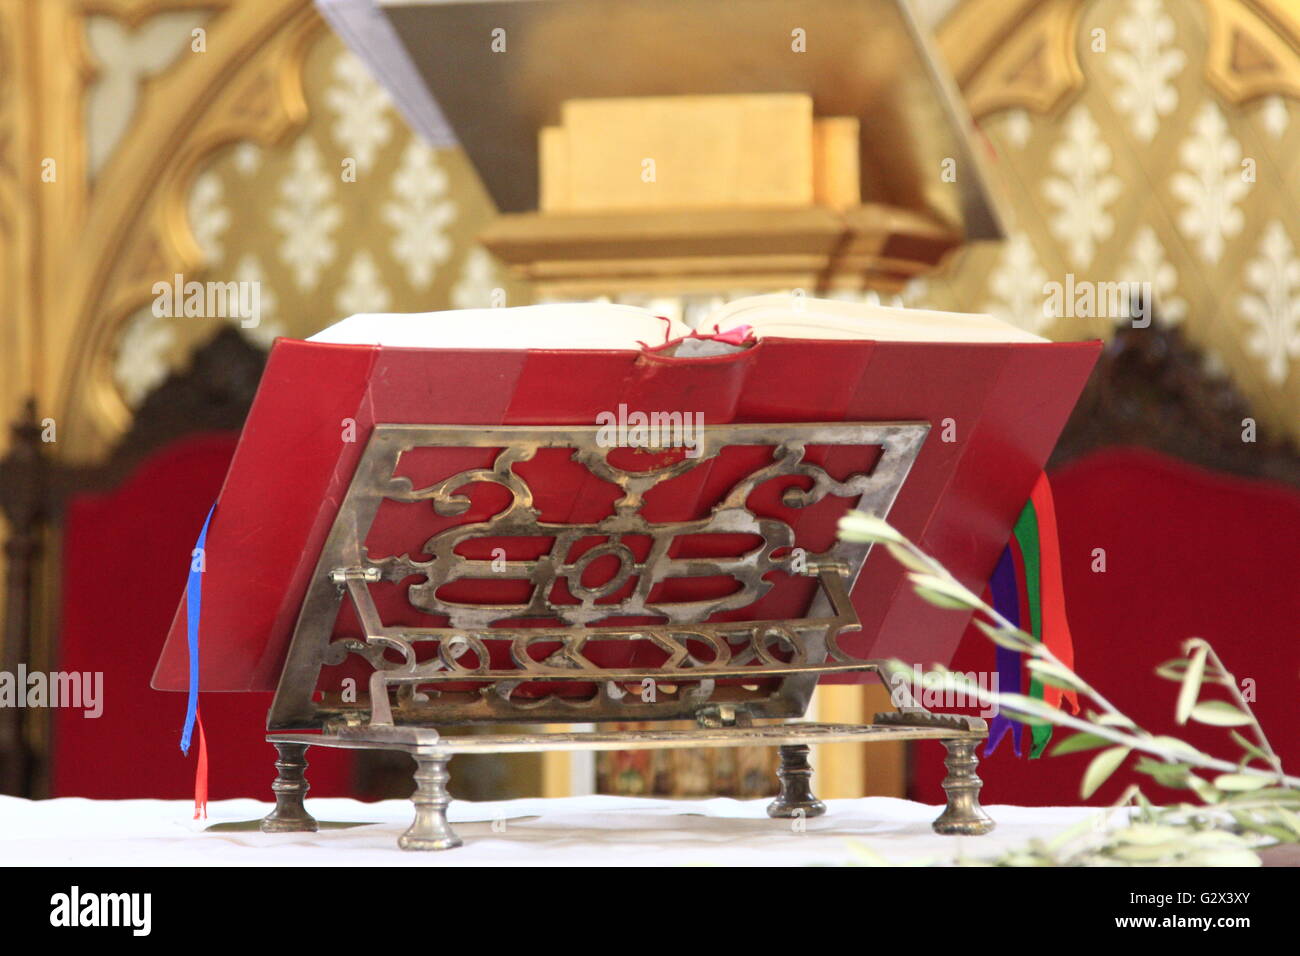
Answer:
[(1252, 794)]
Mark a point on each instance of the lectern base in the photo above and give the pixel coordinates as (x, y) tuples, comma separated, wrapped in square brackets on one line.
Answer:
[(290, 786), (430, 831), (963, 816), (796, 800), (432, 752)]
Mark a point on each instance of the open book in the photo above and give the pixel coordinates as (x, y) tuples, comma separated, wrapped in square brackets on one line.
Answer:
[(1002, 395), (597, 325)]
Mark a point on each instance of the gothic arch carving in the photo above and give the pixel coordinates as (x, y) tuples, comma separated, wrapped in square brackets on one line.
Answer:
[(247, 85)]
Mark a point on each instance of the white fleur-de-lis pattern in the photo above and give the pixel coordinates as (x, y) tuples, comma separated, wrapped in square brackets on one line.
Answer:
[(209, 216), (1082, 189), (363, 115), (1145, 61), (397, 235), (1205, 208), (1211, 184), (307, 215), (1271, 304), (419, 214), (141, 362)]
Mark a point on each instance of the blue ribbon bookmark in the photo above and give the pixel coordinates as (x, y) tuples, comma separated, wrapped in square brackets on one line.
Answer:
[(193, 605)]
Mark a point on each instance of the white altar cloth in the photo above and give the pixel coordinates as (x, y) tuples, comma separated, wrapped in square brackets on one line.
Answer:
[(574, 831)]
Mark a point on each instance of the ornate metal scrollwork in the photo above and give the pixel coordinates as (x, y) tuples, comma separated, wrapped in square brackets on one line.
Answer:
[(759, 667)]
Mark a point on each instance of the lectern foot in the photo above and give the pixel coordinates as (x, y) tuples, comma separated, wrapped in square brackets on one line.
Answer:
[(963, 816), (290, 786), (430, 831), (796, 797)]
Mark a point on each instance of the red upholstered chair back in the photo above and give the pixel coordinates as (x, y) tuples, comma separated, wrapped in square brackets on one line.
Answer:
[(1189, 553), (125, 557)]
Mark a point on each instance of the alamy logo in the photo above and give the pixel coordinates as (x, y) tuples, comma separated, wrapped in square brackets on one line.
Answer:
[(23, 688), (76, 908), (624, 429), (208, 300), (1084, 299), (934, 690)]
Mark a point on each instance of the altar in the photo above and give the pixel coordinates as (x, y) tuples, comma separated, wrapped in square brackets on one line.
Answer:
[(595, 830)]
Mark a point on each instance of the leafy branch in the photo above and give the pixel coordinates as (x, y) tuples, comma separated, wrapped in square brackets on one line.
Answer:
[(1253, 791)]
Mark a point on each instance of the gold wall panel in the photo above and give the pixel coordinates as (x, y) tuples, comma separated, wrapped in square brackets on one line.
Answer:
[(1167, 157)]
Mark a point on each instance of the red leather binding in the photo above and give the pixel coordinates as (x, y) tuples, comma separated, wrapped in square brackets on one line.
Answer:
[(1007, 403)]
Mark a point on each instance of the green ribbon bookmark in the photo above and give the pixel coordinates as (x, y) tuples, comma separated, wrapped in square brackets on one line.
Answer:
[(1026, 534)]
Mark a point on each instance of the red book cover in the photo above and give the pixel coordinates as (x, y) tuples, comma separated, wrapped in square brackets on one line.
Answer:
[(995, 411)]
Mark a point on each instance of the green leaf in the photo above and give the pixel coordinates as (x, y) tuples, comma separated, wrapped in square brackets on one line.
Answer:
[(907, 559), (1078, 742), (1215, 839), (1290, 819), (1025, 710), (1012, 640), (1148, 812), (1219, 713), (1257, 825), (1102, 766), (1249, 747), (1204, 789), (943, 586), (1175, 663), (1191, 688), (942, 600), (860, 526), (1165, 774), (943, 679), (1240, 781), (1058, 675), (1177, 747), (1277, 794), (1172, 670), (1113, 720), (1251, 797), (1176, 669)]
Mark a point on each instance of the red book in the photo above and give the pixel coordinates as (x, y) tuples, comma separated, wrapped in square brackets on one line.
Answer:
[(995, 410)]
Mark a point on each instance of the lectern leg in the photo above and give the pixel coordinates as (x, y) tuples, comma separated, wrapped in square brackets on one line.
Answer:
[(290, 786), (963, 816), (796, 797), (430, 831)]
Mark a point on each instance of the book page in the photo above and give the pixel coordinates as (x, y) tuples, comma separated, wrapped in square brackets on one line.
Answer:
[(604, 326), (579, 325), (803, 317)]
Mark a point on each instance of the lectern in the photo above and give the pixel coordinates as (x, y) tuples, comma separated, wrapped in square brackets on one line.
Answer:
[(722, 673), (421, 538)]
